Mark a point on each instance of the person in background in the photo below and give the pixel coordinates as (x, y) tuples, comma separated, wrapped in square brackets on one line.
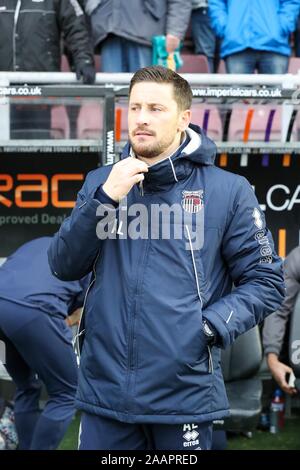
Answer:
[(161, 304), (275, 330), (124, 30), (31, 33), (205, 40), (34, 312), (255, 34)]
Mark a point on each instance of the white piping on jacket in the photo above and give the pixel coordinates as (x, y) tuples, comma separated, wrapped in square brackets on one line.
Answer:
[(231, 313), (173, 169), (75, 341), (194, 265)]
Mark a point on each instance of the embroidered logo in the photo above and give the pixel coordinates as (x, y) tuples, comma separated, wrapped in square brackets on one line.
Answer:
[(192, 201), (257, 218)]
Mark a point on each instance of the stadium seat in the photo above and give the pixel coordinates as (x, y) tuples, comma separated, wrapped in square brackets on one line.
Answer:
[(222, 67), (60, 126), (208, 118), (121, 111), (240, 365), (90, 121), (194, 63), (259, 123), (64, 64), (294, 65)]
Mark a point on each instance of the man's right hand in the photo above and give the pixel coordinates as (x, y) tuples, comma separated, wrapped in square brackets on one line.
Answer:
[(123, 176), (279, 371)]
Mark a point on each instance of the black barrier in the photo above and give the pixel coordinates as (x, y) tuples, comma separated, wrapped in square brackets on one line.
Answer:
[(39, 182)]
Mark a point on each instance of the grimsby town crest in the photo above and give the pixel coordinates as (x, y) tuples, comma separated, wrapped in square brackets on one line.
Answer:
[(192, 201)]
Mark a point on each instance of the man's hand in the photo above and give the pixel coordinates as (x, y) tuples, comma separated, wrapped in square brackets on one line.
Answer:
[(87, 72), (123, 176), (279, 371), (74, 318), (172, 42)]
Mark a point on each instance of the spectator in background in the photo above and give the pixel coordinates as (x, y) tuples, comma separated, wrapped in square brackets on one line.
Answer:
[(204, 37), (297, 38), (34, 306), (275, 329), (30, 40), (255, 34), (124, 30)]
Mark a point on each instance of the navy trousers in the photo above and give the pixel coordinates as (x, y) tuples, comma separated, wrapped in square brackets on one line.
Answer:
[(99, 433), (38, 347)]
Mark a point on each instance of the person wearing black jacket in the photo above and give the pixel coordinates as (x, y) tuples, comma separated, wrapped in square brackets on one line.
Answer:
[(30, 40)]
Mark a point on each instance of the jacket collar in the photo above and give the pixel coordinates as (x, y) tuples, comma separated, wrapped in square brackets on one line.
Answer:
[(197, 149)]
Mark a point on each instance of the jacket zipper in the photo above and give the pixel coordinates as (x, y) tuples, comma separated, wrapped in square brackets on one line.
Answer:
[(210, 361), (16, 17), (194, 266), (75, 341), (131, 336)]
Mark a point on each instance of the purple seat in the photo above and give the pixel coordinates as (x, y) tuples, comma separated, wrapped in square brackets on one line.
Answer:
[(207, 117)]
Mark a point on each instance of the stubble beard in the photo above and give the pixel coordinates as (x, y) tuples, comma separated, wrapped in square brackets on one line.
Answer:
[(150, 151)]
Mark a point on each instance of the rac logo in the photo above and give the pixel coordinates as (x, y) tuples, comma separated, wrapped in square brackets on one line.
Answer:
[(47, 189)]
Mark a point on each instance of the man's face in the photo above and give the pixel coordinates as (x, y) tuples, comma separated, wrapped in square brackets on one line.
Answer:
[(155, 123)]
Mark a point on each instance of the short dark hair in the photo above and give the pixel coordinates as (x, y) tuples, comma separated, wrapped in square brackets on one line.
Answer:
[(157, 74)]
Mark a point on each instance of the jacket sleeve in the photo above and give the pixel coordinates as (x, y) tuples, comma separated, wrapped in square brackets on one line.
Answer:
[(75, 32), (288, 13), (275, 325), (254, 267), (178, 17), (76, 246), (218, 16)]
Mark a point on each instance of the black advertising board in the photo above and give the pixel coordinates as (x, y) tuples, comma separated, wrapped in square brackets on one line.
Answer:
[(276, 181), (38, 190)]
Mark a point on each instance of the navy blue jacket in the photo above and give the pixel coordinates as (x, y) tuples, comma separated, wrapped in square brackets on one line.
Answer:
[(26, 279), (145, 357)]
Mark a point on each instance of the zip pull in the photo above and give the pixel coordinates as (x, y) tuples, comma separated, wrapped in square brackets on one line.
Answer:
[(141, 188)]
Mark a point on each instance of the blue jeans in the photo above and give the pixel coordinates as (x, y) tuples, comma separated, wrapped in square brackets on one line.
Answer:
[(121, 55), (99, 433), (205, 40), (249, 60)]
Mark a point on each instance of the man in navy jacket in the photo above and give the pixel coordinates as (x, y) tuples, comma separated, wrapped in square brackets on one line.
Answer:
[(166, 234), (34, 306)]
